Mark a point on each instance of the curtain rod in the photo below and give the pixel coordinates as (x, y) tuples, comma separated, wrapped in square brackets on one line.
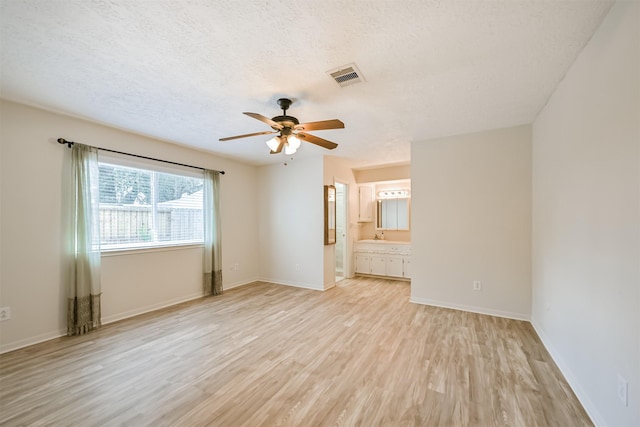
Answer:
[(70, 143)]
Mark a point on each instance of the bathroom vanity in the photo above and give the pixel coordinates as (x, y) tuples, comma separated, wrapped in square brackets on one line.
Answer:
[(383, 258)]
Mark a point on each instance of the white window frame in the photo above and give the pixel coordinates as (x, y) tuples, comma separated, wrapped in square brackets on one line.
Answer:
[(114, 159)]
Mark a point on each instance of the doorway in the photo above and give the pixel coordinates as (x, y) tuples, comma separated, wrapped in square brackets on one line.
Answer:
[(341, 230)]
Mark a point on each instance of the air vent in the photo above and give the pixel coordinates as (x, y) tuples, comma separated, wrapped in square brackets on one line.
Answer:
[(347, 75)]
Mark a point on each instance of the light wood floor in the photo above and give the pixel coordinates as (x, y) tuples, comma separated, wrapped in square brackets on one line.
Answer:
[(264, 354)]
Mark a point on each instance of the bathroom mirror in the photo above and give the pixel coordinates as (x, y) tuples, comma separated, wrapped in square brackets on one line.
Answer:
[(329, 215), (392, 214)]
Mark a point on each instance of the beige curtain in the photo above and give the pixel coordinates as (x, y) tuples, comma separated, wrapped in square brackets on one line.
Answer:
[(212, 236), (83, 308)]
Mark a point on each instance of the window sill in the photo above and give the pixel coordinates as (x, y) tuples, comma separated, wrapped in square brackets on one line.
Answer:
[(149, 249)]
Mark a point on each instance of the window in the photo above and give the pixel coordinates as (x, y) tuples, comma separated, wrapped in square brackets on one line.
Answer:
[(142, 208)]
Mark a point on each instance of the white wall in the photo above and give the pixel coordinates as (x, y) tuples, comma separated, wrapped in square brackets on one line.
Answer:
[(292, 249), (291, 218), (471, 220), (33, 274), (382, 173), (586, 220)]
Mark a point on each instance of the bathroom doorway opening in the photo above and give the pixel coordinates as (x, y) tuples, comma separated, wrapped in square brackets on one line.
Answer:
[(341, 230)]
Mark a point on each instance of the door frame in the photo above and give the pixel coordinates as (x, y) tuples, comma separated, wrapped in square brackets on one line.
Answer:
[(346, 261)]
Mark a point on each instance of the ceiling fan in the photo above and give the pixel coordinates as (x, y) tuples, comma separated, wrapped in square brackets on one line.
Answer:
[(290, 131)]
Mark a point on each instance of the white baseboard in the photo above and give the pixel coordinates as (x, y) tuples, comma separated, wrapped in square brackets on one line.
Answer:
[(16, 345), (472, 309), (582, 396), (153, 307), (294, 284), (564, 367), (228, 286)]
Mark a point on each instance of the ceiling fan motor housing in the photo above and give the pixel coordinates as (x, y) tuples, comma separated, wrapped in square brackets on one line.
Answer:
[(284, 120)]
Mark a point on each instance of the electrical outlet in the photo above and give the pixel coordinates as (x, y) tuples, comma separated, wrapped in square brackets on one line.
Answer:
[(5, 313), (236, 266), (477, 285), (297, 267), (623, 390)]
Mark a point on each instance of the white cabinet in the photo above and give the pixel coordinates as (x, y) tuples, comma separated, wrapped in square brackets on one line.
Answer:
[(365, 205), (378, 265), (406, 268), (371, 264), (383, 258), (363, 263), (395, 266)]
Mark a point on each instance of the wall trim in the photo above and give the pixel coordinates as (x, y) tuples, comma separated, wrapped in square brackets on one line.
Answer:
[(294, 284), (470, 308), (168, 303), (582, 396), (233, 285), (17, 345), (153, 307), (376, 276)]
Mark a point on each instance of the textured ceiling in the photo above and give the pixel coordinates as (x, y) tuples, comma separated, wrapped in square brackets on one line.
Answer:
[(184, 71)]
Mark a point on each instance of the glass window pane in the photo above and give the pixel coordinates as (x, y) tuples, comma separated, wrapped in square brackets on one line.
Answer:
[(140, 208)]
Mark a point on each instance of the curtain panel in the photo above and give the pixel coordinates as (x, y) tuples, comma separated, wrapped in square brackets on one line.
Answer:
[(83, 308), (212, 234)]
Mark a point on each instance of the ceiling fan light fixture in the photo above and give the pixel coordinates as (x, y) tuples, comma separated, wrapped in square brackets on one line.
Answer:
[(273, 143), (289, 149), (290, 132), (293, 142)]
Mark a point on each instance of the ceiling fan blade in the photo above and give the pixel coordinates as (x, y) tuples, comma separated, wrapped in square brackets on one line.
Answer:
[(280, 147), (321, 125), (246, 135), (318, 141), (264, 119)]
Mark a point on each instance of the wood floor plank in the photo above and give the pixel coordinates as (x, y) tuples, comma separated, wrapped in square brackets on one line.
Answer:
[(271, 355)]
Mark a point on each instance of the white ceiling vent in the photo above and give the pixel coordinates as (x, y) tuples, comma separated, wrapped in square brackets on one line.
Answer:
[(347, 75)]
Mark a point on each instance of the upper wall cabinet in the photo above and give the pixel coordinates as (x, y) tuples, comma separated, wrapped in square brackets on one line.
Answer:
[(365, 211)]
